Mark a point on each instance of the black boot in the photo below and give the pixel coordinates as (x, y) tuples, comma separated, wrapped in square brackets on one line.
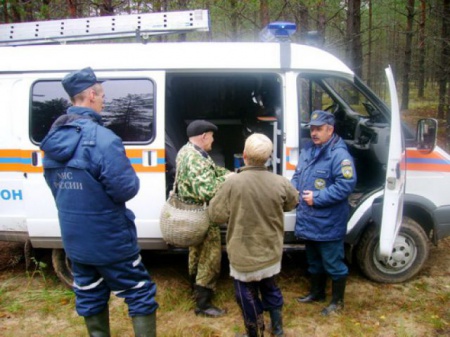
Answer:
[(317, 292), (276, 320), (252, 329), (98, 325), (203, 298), (337, 300), (144, 326)]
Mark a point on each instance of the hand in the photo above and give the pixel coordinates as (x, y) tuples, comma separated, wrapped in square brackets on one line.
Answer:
[(307, 197)]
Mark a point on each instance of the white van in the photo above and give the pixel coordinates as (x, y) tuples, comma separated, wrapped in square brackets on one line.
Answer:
[(153, 90)]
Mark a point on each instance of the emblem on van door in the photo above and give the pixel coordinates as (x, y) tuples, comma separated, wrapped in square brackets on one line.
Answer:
[(319, 184)]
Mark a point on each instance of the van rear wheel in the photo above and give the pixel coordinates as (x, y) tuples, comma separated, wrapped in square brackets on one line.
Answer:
[(409, 254), (62, 267)]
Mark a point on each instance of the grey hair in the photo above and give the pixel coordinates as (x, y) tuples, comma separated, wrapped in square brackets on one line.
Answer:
[(258, 149)]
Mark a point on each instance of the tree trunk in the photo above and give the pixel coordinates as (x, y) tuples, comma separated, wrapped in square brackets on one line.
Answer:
[(445, 59), (5, 11), (234, 20), (354, 55), (369, 47), (72, 4), (443, 88), (321, 17), (106, 8), (264, 15), (421, 51), (408, 52), (304, 19)]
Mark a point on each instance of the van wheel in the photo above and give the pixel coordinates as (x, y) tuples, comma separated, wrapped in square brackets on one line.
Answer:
[(410, 252), (62, 267)]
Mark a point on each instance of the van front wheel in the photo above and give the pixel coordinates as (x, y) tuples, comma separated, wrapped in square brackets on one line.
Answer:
[(62, 267), (409, 254)]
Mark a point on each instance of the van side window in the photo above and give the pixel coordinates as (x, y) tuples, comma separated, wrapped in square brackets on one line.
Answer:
[(128, 110)]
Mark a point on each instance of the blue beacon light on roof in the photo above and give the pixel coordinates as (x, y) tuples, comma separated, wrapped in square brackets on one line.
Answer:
[(278, 31)]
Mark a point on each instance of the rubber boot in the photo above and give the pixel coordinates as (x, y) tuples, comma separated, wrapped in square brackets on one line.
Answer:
[(144, 326), (253, 330), (276, 320), (98, 325), (337, 300), (317, 292), (205, 308)]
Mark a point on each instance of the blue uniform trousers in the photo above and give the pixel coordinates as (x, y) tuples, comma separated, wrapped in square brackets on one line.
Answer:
[(326, 257), (127, 279), (252, 305)]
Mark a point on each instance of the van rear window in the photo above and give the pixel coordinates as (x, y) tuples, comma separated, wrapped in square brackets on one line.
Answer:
[(128, 111)]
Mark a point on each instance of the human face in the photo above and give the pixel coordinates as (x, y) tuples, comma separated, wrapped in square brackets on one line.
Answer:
[(97, 98), (208, 139), (320, 134)]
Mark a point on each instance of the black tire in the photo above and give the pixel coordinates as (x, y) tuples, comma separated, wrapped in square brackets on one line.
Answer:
[(409, 254), (62, 267)]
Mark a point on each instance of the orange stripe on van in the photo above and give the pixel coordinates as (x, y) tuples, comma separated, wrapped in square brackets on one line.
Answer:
[(140, 161), (18, 161), (434, 161), (12, 160), (289, 166)]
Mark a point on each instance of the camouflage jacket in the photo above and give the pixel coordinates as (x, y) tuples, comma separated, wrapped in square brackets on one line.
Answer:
[(198, 176)]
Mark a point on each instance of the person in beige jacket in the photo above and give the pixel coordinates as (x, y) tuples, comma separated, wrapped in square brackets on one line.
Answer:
[(252, 202)]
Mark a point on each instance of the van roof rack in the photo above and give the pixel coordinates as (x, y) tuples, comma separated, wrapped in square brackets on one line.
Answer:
[(140, 26)]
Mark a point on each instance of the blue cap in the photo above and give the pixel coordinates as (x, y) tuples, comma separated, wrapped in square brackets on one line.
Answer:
[(320, 117), (79, 80)]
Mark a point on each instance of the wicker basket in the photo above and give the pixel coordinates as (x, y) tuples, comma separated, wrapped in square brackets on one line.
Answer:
[(182, 224)]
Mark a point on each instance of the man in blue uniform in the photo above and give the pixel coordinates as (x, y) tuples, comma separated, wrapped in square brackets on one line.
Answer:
[(91, 178), (325, 177)]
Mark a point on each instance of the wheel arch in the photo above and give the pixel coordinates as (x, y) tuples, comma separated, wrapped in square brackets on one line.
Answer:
[(420, 209), (416, 207)]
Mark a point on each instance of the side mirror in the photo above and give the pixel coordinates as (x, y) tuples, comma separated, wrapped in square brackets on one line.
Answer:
[(426, 135)]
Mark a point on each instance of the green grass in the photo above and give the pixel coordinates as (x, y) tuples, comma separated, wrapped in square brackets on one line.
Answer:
[(40, 305)]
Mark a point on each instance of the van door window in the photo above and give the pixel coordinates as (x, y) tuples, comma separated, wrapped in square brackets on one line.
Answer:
[(128, 111)]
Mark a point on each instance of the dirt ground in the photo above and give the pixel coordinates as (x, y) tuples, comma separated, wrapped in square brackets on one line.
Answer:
[(418, 308)]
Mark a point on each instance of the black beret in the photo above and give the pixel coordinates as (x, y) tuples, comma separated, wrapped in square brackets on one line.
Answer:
[(79, 80), (199, 127)]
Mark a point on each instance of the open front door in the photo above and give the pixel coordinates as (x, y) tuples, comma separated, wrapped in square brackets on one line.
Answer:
[(395, 178)]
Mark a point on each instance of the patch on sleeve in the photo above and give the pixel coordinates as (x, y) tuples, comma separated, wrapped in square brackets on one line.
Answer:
[(347, 169)]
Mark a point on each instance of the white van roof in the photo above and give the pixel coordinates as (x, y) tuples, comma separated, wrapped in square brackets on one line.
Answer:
[(226, 56)]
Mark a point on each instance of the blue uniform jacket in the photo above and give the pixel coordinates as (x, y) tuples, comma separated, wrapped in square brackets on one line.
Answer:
[(91, 178), (329, 172)]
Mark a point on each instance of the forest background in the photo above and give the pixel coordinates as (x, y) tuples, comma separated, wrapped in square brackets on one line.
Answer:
[(412, 36)]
